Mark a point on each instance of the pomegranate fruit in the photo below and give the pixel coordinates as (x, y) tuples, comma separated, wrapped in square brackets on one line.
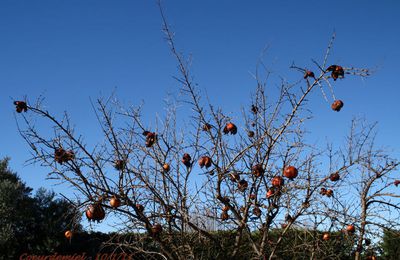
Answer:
[(290, 172)]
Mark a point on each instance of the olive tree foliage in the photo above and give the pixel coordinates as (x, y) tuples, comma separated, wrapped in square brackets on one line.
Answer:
[(177, 185)]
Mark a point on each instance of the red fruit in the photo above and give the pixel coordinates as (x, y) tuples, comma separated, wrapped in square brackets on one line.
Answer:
[(20, 106), (186, 160), (151, 138), (230, 128), (350, 229), (224, 216), (396, 182), (326, 236), (334, 176), (166, 167), (337, 105), (278, 181), (258, 170), (290, 172), (61, 156), (205, 161), (309, 74), (95, 212), (225, 208), (115, 202), (68, 234), (329, 193), (270, 193), (323, 191)]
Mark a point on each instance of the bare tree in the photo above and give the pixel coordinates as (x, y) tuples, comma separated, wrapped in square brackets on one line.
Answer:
[(174, 185)]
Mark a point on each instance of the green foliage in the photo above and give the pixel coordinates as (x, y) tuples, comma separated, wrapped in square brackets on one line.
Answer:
[(391, 244), (29, 224)]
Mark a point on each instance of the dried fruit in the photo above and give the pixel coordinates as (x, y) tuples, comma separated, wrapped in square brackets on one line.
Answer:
[(119, 165), (334, 176), (225, 208), (323, 191), (20, 106), (258, 170), (309, 74), (337, 71), (207, 127), (224, 216), (257, 211), (186, 160), (242, 185), (290, 172), (151, 138), (337, 105), (277, 181), (329, 193), (254, 109), (396, 182), (61, 156), (205, 161), (230, 128), (250, 134), (270, 193)]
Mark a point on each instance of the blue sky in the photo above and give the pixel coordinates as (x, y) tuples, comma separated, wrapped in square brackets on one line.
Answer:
[(70, 51)]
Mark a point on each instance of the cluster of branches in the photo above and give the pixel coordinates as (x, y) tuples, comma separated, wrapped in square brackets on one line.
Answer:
[(158, 188)]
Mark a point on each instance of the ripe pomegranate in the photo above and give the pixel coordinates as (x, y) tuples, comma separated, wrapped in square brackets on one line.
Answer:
[(329, 193), (326, 236), (156, 229), (258, 170), (278, 181), (166, 167), (186, 160), (68, 234), (290, 172), (350, 229), (334, 176), (115, 202), (230, 128), (95, 212), (396, 182), (205, 161), (20, 106), (337, 105)]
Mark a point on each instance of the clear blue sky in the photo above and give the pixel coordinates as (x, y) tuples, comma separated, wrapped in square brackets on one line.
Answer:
[(72, 50)]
